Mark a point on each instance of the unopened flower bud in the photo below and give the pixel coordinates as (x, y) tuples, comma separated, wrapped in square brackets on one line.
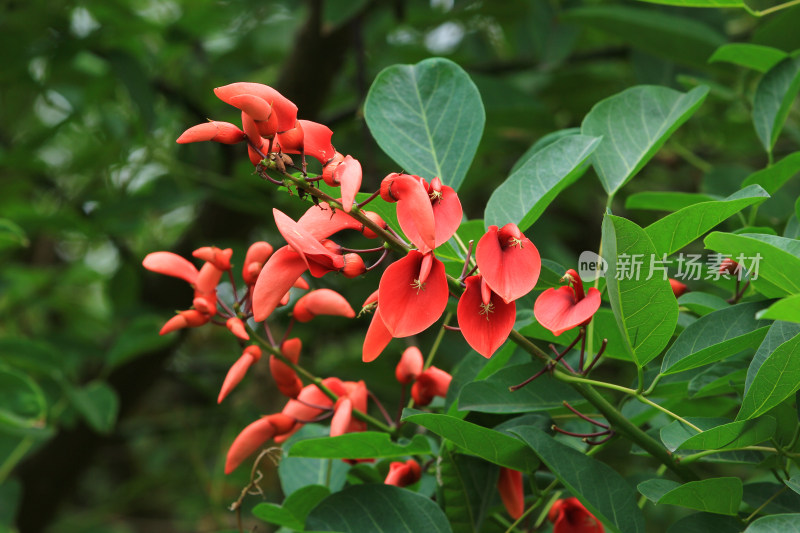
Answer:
[(376, 218), (220, 258), (678, 288), (353, 265), (330, 167), (236, 326)]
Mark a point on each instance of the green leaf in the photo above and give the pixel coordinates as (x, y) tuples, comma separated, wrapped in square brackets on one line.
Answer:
[(491, 395), (297, 472), (598, 486), (705, 522), (720, 495), (774, 177), (468, 486), (11, 235), (755, 56), (777, 376), (681, 39), (698, 3), (675, 231), (654, 489), (732, 435), (702, 303), (377, 509), (22, 403), (676, 432), (361, 445), (722, 377), (779, 523), (428, 117), (488, 444), (541, 144), (634, 125), (645, 309), (292, 514), (98, 403), (525, 194), (773, 99), (665, 200), (138, 338), (786, 309), (715, 336), (10, 495), (775, 260), (794, 483)]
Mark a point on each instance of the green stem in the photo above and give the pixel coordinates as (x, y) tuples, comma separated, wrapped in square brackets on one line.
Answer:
[(772, 9), (437, 341), (15, 457), (761, 507), (692, 158)]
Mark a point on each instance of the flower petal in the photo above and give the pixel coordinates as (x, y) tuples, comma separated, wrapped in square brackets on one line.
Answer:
[(253, 436), (286, 110), (311, 250), (235, 374), (484, 326), (556, 310), (341, 417), (414, 210), (276, 278), (378, 337), (348, 174), (509, 484), (322, 302), (221, 132), (408, 306), (511, 269), (171, 264), (410, 365)]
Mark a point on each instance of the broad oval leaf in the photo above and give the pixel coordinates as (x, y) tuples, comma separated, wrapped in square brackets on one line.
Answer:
[(732, 435), (488, 444), (702, 303), (598, 486), (773, 177), (786, 309), (716, 336), (491, 395), (525, 194), (360, 445), (774, 262), (292, 514), (773, 378), (719, 495), (675, 231), (778, 523), (773, 99), (755, 56), (646, 309), (428, 117), (468, 488), (665, 200), (634, 124), (543, 143), (377, 509)]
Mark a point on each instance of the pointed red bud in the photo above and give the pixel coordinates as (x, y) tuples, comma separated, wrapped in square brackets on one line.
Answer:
[(280, 272), (250, 355), (511, 491), (221, 132), (257, 255), (236, 326), (728, 266), (432, 382), (185, 319), (171, 264), (254, 106), (348, 175), (285, 377), (410, 365), (403, 474), (322, 302), (254, 436), (206, 304), (220, 258), (208, 278)]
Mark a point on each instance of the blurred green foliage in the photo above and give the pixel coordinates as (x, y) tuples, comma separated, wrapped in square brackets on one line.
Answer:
[(115, 429)]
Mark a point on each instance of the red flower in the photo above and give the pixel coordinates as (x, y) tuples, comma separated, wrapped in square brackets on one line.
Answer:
[(250, 355), (220, 258), (236, 326), (566, 307), (318, 259), (280, 272), (171, 264), (570, 516), (347, 174), (257, 255), (412, 293), (321, 302), (253, 436), (309, 138), (412, 199), (484, 318), (403, 474), (410, 365), (508, 261), (221, 132), (447, 214), (677, 287), (378, 337), (432, 382), (509, 484), (312, 402), (286, 111)]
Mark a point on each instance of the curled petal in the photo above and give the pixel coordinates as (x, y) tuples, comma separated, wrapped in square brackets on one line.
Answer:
[(432, 382), (184, 319), (282, 106), (556, 310), (348, 175), (315, 141), (410, 365), (509, 485), (447, 215), (318, 259), (221, 132), (208, 278), (320, 221), (357, 392), (280, 272), (253, 436), (171, 264), (311, 401), (413, 205), (410, 305), (254, 106), (220, 258), (341, 417), (285, 377), (238, 371), (257, 255), (508, 261), (251, 129), (236, 326), (329, 168), (485, 325), (378, 337), (322, 302)]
